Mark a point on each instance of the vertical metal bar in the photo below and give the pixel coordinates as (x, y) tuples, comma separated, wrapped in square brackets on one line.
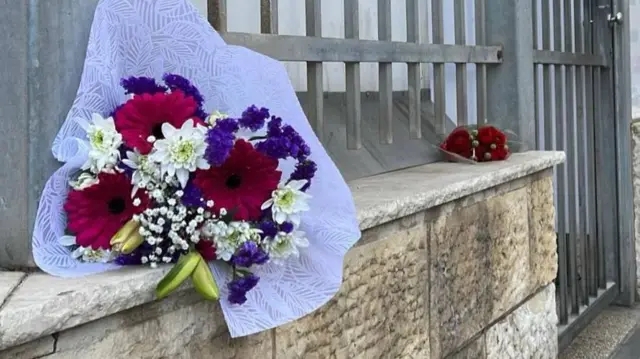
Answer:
[(602, 144), (536, 72), (269, 16), (217, 14), (592, 230), (354, 104), (591, 227), (461, 69), (581, 152), (547, 89), (572, 168), (622, 117), (413, 70), (561, 188), (481, 69), (314, 71), (601, 255), (510, 85), (439, 93), (385, 75)]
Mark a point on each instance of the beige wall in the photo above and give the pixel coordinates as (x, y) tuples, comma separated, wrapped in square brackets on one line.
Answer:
[(471, 278)]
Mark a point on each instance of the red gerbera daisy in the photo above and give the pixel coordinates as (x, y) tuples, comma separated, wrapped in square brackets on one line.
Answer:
[(243, 182), (96, 213), (143, 116)]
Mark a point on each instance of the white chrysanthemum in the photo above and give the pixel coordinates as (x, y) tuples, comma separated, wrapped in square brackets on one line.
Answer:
[(145, 171), (181, 151), (87, 254), (104, 141), (287, 202), (285, 245), (229, 237), (215, 116), (84, 180)]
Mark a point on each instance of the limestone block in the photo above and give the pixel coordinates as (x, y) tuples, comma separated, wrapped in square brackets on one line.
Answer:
[(529, 332), (542, 234), (380, 310), (180, 327), (473, 350), (479, 268), (67, 303), (34, 349), (8, 282)]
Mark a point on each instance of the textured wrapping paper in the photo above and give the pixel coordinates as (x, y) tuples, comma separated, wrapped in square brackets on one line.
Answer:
[(153, 37)]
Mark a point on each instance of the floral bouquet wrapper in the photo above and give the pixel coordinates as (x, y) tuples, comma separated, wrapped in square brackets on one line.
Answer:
[(180, 151)]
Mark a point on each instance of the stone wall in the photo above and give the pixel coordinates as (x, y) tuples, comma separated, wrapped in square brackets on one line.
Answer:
[(472, 278)]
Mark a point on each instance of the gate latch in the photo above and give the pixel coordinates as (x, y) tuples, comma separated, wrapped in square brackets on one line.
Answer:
[(615, 19)]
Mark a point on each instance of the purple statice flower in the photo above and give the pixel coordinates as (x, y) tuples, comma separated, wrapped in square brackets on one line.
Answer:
[(274, 127), (304, 170), (269, 229), (276, 147), (192, 196), (228, 125), (219, 145), (141, 85), (283, 142), (128, 259), (177, 82), (299, 148), (249, 254), (253, 118), (286, 227), (220, 141), (239, 287)]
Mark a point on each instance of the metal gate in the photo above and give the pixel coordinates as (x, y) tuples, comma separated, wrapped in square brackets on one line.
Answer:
[(583, 107)]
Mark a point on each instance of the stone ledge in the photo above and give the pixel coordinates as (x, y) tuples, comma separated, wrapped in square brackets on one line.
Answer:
[(36, 305), (383, 198)]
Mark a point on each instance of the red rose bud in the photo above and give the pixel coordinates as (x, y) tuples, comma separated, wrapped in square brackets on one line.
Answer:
[(489, 134), (459, 142)]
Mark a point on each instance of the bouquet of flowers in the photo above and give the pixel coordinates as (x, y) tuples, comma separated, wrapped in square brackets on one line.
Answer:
[(166, 183), (478, 144), (166, 162)]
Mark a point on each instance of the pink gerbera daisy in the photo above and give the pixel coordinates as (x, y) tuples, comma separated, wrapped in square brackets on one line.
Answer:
[(143, 116), (243, 182), (96, 213)]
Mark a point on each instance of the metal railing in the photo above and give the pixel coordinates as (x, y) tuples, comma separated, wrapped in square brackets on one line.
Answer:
[(352, 51), (575, 100)]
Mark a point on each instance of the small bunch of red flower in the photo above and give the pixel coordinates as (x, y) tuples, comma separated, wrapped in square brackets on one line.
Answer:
[(482, 144)]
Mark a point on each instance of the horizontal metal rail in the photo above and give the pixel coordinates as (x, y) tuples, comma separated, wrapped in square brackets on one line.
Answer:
[(547, 57), (577, 322), (319, 49)]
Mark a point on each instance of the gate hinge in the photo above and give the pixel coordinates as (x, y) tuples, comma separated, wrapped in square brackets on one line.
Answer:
[(615, 19)]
